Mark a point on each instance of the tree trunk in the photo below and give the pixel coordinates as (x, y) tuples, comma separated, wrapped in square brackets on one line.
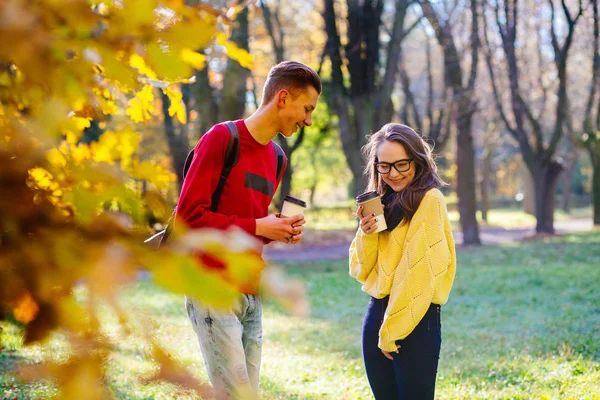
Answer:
[(233, 95), (204, 103), (486, 180), (565, 200), (177, 146), (545, 179), (528, 192), (285, 186), (596, 187), (362, 96), (467, 199)]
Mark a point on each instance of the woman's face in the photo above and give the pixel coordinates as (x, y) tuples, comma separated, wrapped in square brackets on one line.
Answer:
[(394, 159)]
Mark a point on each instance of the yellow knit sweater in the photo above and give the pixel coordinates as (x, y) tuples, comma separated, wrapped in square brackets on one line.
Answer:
[(414, 264)]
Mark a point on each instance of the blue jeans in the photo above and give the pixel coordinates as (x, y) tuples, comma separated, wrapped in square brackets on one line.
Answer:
[(411, 375), (231, 342)]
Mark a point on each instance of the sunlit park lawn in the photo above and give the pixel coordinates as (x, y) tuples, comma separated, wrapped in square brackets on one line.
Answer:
[(523, 322), (342, 217)]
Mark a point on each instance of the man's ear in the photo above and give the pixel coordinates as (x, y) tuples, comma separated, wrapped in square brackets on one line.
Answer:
[(283, 96)]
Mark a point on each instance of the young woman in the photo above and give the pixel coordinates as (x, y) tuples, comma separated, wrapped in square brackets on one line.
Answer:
[(407, 269)]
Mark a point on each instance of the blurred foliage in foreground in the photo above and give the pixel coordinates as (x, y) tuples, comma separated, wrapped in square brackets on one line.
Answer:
[(71, 212)]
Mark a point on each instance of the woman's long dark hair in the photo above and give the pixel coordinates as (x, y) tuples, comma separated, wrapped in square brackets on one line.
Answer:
[(426, 175)]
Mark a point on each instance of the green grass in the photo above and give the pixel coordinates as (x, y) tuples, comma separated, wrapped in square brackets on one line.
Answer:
[(523, 322), (508, 218)]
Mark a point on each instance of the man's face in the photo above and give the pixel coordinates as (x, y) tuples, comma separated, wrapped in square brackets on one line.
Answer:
[(296, 112)]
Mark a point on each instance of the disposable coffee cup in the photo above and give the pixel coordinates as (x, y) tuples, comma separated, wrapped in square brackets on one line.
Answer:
[(371, 203), (292, 206)]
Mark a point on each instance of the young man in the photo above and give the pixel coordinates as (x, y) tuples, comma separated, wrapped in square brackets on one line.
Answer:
[(231, 340)]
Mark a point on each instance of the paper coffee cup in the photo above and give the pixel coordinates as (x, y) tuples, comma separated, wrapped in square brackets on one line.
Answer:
[(371, 203), (292, 206)]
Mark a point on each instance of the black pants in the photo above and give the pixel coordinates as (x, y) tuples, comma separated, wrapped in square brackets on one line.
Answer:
[(411, 376)]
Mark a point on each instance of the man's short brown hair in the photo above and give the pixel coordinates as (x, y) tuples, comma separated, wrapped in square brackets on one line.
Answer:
[(292, 76)]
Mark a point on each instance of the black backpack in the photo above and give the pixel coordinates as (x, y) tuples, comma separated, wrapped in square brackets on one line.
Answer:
[(232, 155)]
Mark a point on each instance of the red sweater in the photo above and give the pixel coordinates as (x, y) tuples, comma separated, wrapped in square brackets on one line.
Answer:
[(248, 190)]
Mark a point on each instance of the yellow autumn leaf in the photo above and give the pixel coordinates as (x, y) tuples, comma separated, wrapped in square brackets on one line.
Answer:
[(141, 107), (40, 178), (153, 173), (108, 106), (194, 33), (240, 55), (105, 149), (116, 68), (182, 274), (4, 79), (232, 254), (80, 153), (113, 146), (25, 308), (177, 107), (56, 158), (137, 62), (235, 53), (105, 98), (50, 118), (74, 127), (166, 63), (129, 141), (193, 58), (136, 15)]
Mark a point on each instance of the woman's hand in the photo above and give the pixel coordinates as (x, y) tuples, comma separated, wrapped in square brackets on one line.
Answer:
[(368, 224), (388, 355)]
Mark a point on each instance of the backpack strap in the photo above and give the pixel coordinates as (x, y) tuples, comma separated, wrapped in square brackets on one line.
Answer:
[(231, 158), (188, 162), (279, 153), (232, 154)]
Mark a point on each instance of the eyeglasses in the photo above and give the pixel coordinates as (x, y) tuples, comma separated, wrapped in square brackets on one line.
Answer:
[(400, 166)]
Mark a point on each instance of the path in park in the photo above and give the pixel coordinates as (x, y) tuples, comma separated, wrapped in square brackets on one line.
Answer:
[(333, 245)]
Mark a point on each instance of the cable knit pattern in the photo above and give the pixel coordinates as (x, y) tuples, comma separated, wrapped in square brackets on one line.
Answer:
[(414, 264)]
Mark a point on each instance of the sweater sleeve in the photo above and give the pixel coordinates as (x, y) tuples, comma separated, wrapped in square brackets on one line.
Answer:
[(425, 272), (202, 180), (363, 256)]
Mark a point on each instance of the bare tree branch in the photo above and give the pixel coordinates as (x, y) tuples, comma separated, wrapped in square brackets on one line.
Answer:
[(595, 74), (474, 45), (493, 80)]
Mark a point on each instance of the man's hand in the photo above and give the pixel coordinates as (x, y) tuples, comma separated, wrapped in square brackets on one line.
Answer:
[(287, 230)]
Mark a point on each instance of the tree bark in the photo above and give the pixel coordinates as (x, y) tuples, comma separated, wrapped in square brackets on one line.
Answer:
[(486, 177), (590, 141), (565, 200), (526, 127), (467, 182), (233, 95), (463, 96), (544, 182), (351, 141), (204, 102), (362, 100), (596, 189), (286, 179), (178, 147)]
